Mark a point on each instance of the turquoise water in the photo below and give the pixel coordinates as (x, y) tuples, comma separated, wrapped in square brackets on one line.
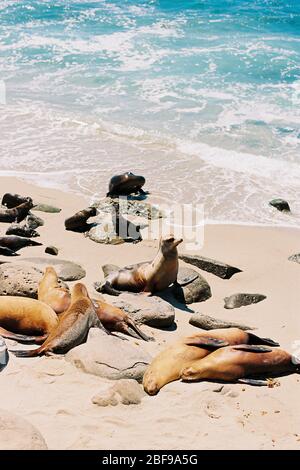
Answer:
[(199, 95)]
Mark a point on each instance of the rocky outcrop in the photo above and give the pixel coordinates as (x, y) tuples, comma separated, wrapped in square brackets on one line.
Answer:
[(66, 270), (16, 433), (110, 356), (206, 322), (218, 268), (240, 300), (190, 287)]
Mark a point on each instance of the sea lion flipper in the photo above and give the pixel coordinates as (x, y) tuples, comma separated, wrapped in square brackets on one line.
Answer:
[(252, 348), (205, 342), (25, 353), (254, 339), (21, 338), (107, 288), (136, 332), (255, 382)]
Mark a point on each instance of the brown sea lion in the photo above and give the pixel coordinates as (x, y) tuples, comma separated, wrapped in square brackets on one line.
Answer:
[(115, 319), (126, 184), (13, 200), (78, 221), (15, 243), (52, 293), (240, 363), (72, 328), (16, 213), (147, 277), (168, 364), (20, 317)]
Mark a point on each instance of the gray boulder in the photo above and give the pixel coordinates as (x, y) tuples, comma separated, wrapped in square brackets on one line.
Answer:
[(46, 208), (190, 287), (240, 300), (110, 356), (206, 322), (129, 206), (280, 204), (125, 392), (218, 268), (51, 250), (16, 433), (66, 270), (152, 310)]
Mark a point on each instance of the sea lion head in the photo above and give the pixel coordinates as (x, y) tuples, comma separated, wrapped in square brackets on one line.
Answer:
[(169, 244), (125, 184), (79, 291)]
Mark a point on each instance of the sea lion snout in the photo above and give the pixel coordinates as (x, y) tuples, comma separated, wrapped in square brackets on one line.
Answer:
[(79, 290), (169, 242)]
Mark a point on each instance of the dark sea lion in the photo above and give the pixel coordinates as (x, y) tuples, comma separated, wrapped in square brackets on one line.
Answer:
[(13, 200), (22, 231), (232, 363), (168, 364), (72, 328), (115, 319), (147, 277), (15, 243), (126, 184), (52, 293), (21, 316), (16, 214), (78, 221), (33, 221), (7, 252)]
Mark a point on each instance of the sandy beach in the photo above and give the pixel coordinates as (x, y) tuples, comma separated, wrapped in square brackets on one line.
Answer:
[(55, 396)]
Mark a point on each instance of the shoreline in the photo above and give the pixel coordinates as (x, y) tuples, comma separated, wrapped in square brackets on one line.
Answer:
[(56, 397)]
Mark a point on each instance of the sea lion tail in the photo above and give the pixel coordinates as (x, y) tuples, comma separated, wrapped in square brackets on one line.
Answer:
[(136, 332), (27, 353), (257, 340)]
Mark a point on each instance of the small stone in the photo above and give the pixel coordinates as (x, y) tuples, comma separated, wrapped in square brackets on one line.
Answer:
[(218, 268), (51, 250), (280, 204), (46, 208), (206, 322), (241, 300)]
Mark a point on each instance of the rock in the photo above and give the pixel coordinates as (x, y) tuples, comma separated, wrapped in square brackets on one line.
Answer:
[(128, 206), (51, 250), (295, 258), (46, 208), (151, 311), (16, 433), (205, 322), (125, 391), (114, 230), (66, 270), (240, 300), (109, 356), (33, 221), (4, 357), (218, 268), (187, 292), (280, 204), (105, 233), (20, 279)]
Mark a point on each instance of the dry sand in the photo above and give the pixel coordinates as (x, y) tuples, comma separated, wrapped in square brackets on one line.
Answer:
[(56, 397)]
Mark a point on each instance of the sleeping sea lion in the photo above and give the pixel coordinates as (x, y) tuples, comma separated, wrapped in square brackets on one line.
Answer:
[(126, 184), (78, 221), (240, 363), (115, 319), (147, 277), (13, 200), (7, 252), (168, 364), (52, 293), (21, 316), (16, 213), (72, 328), (15, 243), (22, 231)]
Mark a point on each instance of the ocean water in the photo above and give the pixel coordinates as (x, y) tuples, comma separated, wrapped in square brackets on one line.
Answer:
[(200, 96)]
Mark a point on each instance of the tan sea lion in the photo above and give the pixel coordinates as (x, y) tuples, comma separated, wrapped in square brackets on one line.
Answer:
[(78, 221), (52, 293), (17, 213), (72, 328), (168, 364), (115, 319), (240, 363), (15, 243), (126, 184), (20, 317), (147, 277)]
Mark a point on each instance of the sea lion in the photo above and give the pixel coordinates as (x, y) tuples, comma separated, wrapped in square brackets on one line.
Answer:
[(52, 293), (13, 200), (17, 213), (126, 184), (72, 328), (22, 231), (147, 277), (33, 221), (25, 316), (7, 252), (168, 364), (15, 243), (78, 221), (240, 363), (115, 319)]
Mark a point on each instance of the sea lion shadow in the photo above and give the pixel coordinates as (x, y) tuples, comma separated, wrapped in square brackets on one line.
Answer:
[(169, 297), (84, 229)]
